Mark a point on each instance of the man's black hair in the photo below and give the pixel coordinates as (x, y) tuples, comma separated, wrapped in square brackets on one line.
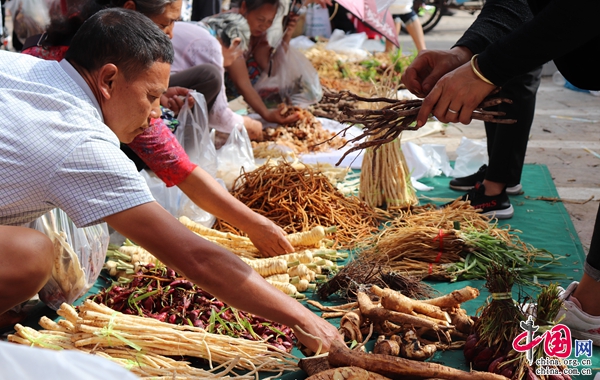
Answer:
[(125, 38)]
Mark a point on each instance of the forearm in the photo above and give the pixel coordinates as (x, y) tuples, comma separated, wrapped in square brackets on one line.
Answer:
[(497, 19), (238, 72), (554, 32), (209, 195), (213, 268), (253, 99)]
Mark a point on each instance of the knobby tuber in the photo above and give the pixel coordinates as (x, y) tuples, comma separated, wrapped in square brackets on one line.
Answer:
[(393, 300), (350, 325), (400, 368), (454, 299), (347, 373), (386, 346), (411, 347), (378, 315)]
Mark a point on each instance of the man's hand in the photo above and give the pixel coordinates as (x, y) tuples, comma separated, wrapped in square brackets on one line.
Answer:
[(268, 238), (174, 98), (430, 65)]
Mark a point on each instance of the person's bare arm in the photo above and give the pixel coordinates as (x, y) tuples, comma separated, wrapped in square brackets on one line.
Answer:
[(238, 72), (207, 193), (217, 271)]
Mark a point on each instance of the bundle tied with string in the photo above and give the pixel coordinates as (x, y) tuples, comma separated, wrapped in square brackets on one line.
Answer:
[(549, 327), (490, 341), (385, 178)]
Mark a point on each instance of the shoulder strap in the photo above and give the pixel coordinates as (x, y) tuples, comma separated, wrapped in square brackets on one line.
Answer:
[(35, 40)]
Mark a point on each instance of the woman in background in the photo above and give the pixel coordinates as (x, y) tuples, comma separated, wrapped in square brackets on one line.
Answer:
[(218, 40), (243, 73)]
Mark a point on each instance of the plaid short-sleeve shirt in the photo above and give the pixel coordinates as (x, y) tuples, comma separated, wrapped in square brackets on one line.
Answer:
[(55, 150)]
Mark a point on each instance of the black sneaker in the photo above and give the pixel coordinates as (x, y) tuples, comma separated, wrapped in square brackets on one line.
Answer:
[(495, 206), (468, 182)]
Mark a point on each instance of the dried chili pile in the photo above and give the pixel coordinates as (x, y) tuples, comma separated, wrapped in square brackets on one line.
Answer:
[(162, 294)]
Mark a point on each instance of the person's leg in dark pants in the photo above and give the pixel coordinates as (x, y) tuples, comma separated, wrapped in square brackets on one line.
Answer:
[(206, 79), (340, 18), (507, 143)]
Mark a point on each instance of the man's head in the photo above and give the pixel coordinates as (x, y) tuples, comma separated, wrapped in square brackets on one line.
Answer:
[(125, 59), (125, 38)]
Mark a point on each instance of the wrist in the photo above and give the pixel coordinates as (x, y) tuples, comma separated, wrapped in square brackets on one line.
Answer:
[(462, 54), (478, 73)]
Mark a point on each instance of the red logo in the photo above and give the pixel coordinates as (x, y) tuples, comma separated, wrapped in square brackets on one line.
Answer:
[(557, 340)]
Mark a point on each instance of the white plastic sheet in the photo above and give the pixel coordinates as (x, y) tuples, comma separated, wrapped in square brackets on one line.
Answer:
[(31, 363), (350, 44), (470, 155)]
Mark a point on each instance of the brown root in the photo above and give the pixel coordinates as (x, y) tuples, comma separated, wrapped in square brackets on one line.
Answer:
[(386, 346)]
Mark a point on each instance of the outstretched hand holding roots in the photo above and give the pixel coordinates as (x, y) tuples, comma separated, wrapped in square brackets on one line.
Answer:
[(385, 124)]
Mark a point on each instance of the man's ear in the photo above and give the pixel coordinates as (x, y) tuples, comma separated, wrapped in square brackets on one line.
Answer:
[(129, 4), (106, 80)]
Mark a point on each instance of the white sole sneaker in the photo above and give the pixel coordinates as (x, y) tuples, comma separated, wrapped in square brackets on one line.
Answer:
[(506, 213), (514, 190), (581, 324)]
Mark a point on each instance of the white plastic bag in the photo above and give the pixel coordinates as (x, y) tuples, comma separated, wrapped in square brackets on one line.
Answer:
[(350, 44), (79, 256), (471, 154), (194, 136), (425, 161), (317, 22), (30, 17), (301, 43), (236, 154), (293, 80)]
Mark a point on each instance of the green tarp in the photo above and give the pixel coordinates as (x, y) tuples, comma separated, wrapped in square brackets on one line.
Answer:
[(543, 224)]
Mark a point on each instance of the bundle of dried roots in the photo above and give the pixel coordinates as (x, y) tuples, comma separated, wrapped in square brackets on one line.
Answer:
[(386, 123)]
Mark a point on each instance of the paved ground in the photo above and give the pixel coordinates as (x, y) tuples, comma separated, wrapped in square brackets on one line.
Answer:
[(555, 140)]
